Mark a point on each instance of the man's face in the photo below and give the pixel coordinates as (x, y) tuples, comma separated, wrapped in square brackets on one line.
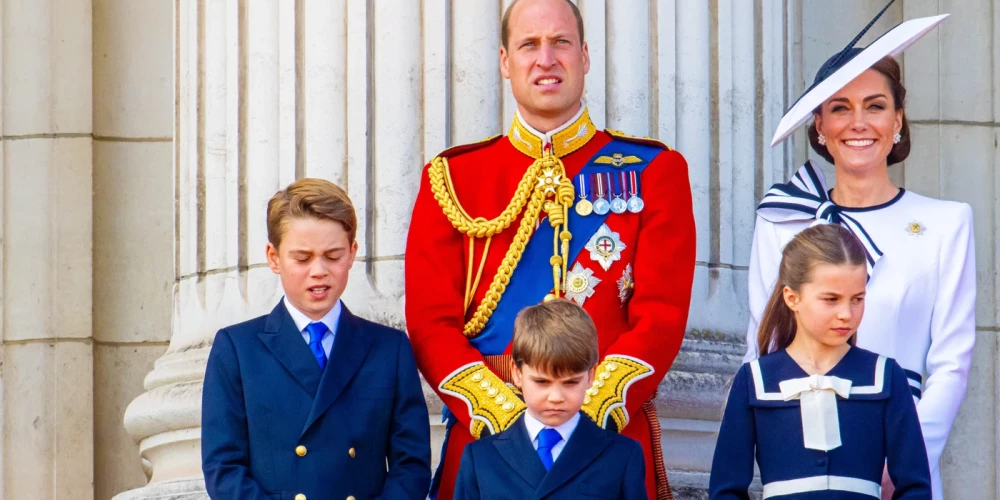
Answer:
[(545, 61)]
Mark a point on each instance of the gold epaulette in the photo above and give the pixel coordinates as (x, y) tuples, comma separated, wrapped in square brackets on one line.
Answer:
[(649, 141), (605, 399), (493, 405), (464, 148)]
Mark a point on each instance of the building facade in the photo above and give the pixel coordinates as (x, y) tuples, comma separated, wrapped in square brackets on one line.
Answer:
[(141, 145)]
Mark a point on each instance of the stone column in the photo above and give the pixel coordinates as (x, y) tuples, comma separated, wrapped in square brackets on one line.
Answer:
[(717, 91), (47, 442), (133, 221)]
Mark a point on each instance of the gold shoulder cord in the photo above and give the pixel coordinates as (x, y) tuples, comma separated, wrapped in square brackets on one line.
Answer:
[(544, 179)]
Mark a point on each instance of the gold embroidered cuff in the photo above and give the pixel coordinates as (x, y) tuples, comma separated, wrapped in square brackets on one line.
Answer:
[(492, 404), (606, 397)]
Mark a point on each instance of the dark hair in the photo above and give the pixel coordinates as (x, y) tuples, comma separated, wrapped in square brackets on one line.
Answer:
[(556, 337), (821, 244), (888, 68), (505, 24)]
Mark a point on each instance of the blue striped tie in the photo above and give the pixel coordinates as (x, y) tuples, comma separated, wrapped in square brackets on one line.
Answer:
[(316, 333)]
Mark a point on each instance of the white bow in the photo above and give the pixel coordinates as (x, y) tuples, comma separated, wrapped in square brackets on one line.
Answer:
[(818, 395)]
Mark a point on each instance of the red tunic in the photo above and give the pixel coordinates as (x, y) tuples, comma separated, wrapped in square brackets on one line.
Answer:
[(649, 326)]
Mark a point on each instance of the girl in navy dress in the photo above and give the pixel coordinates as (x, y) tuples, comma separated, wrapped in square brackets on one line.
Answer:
[(821, 416)]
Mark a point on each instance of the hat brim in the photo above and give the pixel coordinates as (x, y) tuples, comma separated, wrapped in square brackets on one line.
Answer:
[(891, 43)]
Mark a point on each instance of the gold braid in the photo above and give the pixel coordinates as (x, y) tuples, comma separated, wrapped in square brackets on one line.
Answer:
[(529, 197)]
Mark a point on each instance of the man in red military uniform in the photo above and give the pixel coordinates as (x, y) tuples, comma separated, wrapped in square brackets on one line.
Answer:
[(554, 208)]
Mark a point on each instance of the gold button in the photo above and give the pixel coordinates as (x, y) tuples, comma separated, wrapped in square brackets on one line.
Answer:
[(300, 496), (300, 450), (508, 406), (492, 392), (349, 498), (351, 452), (476, 377)]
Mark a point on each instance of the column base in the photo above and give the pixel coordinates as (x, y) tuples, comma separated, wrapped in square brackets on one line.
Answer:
[(178, 489)]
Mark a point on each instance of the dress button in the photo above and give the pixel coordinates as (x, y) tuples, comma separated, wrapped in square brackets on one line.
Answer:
[(821, 462), (351, 497), (300, 450), (351, 452), (300, 496)]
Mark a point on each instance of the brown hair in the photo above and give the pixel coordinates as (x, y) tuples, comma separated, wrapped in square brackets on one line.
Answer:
[(888, 68), (308, 197), (505, 23), (821, 244), (556, 337)]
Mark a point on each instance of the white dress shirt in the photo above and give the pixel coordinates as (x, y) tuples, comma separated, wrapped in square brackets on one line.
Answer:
[(330, 320), (565, 430)]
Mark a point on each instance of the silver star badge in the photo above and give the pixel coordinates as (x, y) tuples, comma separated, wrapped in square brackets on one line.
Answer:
[(580, 283), (605, 247)]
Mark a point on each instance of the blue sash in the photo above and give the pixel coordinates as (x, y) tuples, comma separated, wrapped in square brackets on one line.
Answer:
[(532, 278)]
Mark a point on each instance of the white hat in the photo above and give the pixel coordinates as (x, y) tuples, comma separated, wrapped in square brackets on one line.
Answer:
[(848, 64)]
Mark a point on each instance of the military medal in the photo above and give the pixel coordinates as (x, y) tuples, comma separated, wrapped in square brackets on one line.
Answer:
[(626, 284), (618, 205), (635, 203), (601, 206), (580, 283), (605, 247), (584, 207)]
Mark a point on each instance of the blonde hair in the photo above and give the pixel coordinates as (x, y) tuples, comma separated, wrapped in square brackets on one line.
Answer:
[(556, 337), (312, 198), (822, 244)]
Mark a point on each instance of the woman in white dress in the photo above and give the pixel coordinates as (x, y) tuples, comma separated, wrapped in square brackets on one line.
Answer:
[(920, 304)]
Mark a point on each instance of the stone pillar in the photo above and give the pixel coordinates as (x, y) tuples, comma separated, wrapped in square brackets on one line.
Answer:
[(133, 221), (47, 443)]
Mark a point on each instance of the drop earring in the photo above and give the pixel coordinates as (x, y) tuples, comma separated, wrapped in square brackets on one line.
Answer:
[(896, 138), (821, 139)]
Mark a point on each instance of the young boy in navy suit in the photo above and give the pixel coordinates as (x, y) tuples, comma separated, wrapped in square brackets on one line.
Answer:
[(311, 402), (553, 451)]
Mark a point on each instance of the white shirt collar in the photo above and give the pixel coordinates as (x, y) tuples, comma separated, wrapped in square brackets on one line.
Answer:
[(547, 138), (565, 430), (331, 319)]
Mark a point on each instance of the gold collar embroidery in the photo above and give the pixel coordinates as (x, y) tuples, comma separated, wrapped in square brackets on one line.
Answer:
[(565, 139)]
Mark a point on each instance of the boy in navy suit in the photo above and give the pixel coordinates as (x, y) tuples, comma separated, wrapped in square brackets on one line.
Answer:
[(553, 451), (311, 402)]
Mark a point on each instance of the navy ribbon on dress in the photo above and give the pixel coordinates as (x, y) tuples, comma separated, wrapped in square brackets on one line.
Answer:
[(805, 197)]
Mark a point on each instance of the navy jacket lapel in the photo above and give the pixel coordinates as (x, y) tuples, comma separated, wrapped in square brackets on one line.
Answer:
[(586, 443), (350, 347), (515, 447), (284, 340)]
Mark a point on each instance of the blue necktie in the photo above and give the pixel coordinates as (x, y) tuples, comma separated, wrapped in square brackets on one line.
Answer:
[(547, 439), (316, 332)]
